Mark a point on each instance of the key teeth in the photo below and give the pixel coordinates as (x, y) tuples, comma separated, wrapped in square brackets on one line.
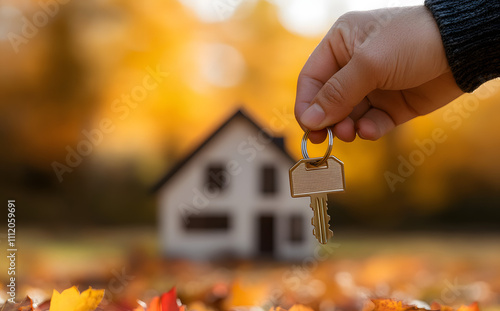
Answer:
[(329, 235), (321, 219)]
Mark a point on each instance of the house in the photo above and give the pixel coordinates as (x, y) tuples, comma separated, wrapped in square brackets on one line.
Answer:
[(231, 197)]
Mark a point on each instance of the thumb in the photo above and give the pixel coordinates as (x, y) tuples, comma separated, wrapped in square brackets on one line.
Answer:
[(338, 96)]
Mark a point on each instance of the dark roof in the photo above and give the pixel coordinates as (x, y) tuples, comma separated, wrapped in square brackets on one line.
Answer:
[(277, 141)]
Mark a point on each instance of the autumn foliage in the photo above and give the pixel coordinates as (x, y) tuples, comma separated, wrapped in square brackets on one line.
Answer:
[(167, 301), (72, 300), (394, 305)]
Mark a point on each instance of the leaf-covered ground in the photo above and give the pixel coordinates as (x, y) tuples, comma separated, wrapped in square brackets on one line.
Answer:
[(421, 269)]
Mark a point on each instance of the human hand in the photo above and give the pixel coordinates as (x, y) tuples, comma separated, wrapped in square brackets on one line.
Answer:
[(373, 71)]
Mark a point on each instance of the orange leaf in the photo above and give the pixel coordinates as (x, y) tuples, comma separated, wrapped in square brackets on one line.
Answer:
[(300, 308), (437, 306), (246, 295), (387, 305), (394, 305), (154, 305), (472, 307), (293, 308)]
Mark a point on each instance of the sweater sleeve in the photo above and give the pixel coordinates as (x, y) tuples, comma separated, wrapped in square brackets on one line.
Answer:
[(470, 31)]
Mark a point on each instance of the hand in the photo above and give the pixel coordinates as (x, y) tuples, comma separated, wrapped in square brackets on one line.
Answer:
[(373, 71)]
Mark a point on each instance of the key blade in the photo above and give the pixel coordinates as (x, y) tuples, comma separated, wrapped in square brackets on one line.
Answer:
[(321, 219)]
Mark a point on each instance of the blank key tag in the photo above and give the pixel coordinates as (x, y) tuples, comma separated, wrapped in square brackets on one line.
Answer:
[(316, 178)]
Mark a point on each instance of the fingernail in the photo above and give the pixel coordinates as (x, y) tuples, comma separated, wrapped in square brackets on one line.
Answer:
[(360, 135), (313, 116)]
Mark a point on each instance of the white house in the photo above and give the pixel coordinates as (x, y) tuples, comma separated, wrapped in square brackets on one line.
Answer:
[(231, 197)]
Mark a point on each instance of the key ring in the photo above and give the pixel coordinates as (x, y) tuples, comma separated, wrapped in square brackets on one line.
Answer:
[(328, 150)]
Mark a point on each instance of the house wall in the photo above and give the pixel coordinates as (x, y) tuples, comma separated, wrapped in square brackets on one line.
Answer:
[(245, 150)]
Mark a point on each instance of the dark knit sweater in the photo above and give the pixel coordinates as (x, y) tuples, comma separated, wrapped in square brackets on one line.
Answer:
[(470, 30)]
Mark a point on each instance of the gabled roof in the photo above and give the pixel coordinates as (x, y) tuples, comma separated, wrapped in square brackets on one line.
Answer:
[(277, 141)]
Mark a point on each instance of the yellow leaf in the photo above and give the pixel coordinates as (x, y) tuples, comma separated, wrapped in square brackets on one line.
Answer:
[(90, 299), (68, 297), (247, 294), (71, 300)]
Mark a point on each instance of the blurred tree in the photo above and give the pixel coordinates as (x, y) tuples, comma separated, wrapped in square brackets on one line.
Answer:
[(89, 64)]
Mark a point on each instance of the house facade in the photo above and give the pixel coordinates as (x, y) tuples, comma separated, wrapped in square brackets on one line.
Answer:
[(231, 198)]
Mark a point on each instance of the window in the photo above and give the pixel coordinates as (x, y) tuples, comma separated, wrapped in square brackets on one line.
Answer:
[(212, 222), (268, 180), (296, 228), (266, 235), (216, 178)]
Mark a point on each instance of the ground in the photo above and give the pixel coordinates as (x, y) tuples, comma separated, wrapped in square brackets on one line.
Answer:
[(453, 269)]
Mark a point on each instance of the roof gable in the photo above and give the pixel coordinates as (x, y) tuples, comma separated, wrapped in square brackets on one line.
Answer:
[(277, 141)]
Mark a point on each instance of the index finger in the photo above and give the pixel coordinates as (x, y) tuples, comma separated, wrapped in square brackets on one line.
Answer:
[(318, 69)]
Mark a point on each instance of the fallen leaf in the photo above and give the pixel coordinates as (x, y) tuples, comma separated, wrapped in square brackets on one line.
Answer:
[(166, 302), (169, 301), (300, 308), (71, 300), (293, 308), (437, 306), (154, 305), (25, 305), (392, 305), (387, 305), (472, 307), (247, 295)]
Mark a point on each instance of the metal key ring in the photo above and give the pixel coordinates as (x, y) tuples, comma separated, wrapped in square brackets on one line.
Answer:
[(328, 150)]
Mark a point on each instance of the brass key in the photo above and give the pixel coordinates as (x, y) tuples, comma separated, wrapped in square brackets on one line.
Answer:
[(321, 219), (316, 178)]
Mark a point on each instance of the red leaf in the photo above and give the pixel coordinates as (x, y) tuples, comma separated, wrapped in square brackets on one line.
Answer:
[(166, 302), (169, 301)]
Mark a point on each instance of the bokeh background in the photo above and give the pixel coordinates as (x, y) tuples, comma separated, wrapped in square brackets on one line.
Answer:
[(67, 65)]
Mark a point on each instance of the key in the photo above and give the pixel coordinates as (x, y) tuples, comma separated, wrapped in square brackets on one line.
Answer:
[(316, 181)]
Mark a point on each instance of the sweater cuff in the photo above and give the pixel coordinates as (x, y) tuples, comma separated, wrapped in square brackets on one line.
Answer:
[(470, 31)]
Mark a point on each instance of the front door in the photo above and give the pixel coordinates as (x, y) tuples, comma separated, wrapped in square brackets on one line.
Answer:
[(265, 232)]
